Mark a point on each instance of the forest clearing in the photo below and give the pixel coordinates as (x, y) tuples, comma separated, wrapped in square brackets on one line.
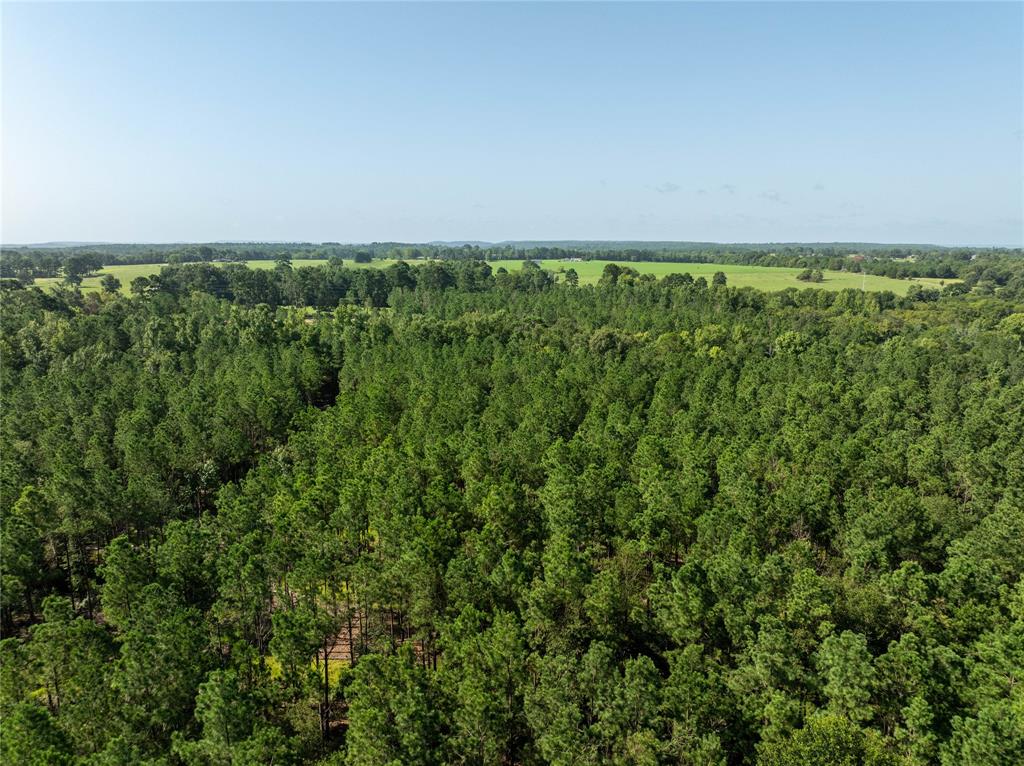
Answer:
[(759, 277)]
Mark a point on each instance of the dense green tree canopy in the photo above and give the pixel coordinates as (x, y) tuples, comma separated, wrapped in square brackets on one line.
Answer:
[(449, 515)]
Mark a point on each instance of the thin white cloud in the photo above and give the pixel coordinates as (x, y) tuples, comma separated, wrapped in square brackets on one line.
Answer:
[(773, 196)]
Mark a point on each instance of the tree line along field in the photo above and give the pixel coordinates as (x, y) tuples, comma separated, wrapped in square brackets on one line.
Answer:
[(759, 277)]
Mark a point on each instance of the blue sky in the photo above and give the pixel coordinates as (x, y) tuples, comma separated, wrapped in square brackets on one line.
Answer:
[(357, 122)]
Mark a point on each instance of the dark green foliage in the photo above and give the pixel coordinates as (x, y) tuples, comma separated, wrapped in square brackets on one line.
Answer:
[(442, 515), (32, 737), (110, 283), (392, 713)]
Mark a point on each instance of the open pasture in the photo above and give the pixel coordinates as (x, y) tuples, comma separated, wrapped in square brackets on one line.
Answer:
[(760, 277)]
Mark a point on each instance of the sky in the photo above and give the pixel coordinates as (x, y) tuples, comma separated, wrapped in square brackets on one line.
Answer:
[(727, 122)]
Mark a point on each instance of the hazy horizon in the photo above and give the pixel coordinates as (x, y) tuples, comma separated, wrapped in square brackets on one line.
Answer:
[(494, 243), (727, 123)]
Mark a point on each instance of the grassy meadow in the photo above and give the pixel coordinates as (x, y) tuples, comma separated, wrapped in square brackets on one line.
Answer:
[(760, 277)]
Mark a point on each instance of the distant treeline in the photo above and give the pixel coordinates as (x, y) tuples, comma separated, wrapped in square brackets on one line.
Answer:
[(992, 266), (896, 262), (332, 284), (32, 263)]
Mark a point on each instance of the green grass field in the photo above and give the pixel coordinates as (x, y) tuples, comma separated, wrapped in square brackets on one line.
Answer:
[(760, 277)]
